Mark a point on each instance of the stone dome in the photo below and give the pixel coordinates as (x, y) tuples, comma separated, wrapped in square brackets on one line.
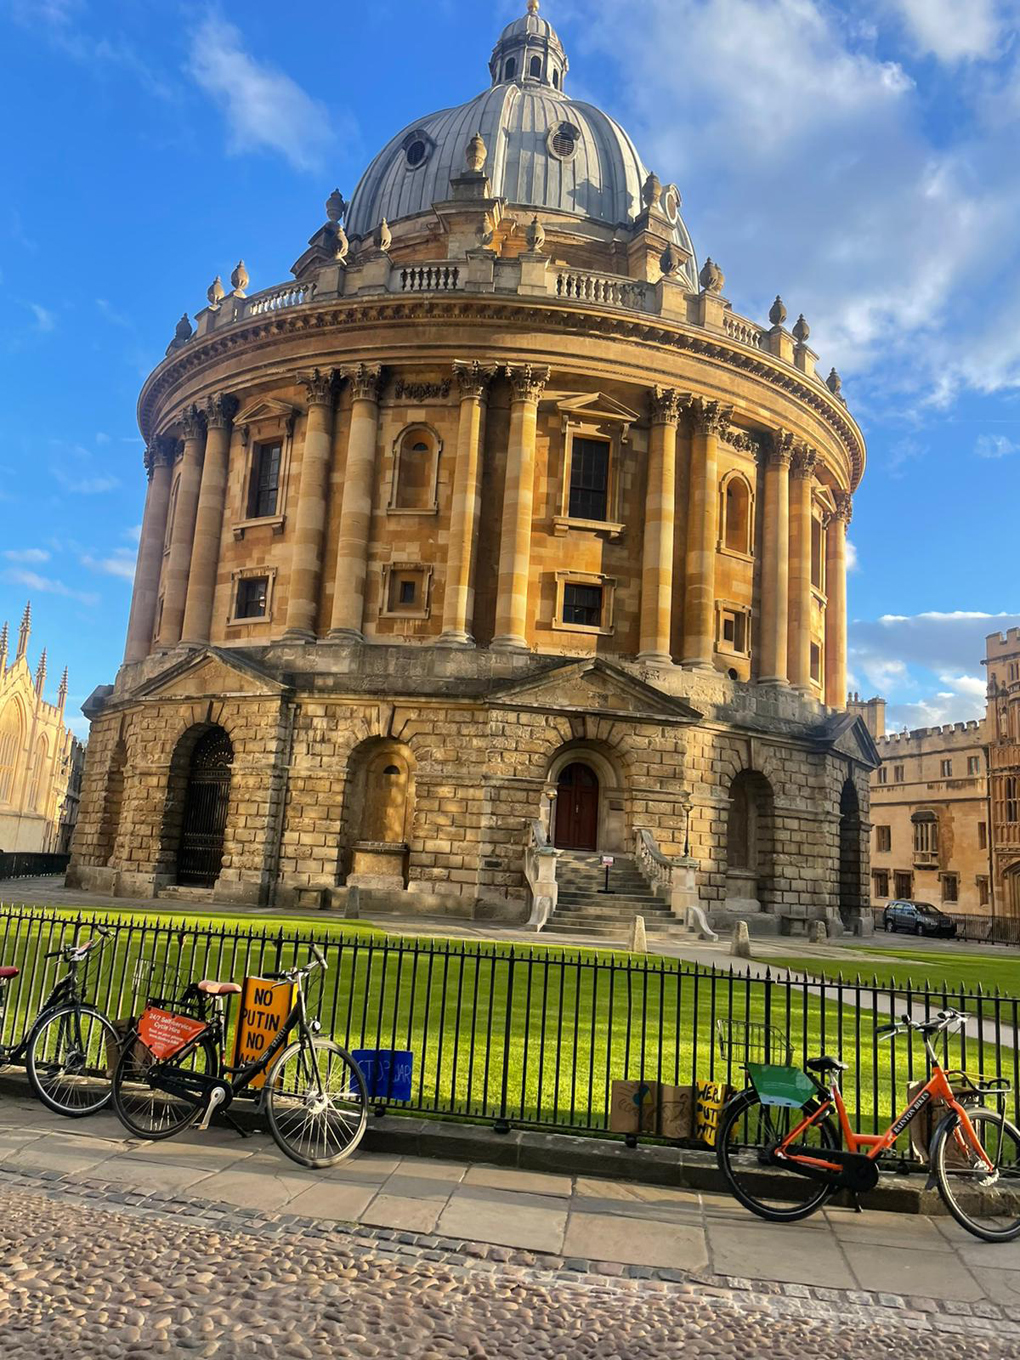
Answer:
[(545, 150)]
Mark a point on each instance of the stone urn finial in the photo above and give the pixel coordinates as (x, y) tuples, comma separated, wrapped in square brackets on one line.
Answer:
[(215, 293), (669, 261), (336, 207), (535, 235), (239, 279), (182, 334), (651, 193), (711, 277), (385, 237), (834, 383), (476, 153), (777, 312), (801, 330)]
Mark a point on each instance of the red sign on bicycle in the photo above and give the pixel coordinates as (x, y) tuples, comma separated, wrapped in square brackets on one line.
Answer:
[(164, 1033)]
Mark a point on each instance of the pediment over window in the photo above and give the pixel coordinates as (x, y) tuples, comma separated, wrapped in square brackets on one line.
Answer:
[(595, 686), (269, 408), (847, 734), (211, 673), (592, 407)]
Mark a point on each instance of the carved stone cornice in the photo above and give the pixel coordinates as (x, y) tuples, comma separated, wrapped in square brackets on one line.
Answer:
[(666, 404), (743, 441), (527, 380), (779, 449), (192, 423), (220, 411), (710, 417), (804, 461), (473, 378), (421, 391), (365, 381), (320, 386)]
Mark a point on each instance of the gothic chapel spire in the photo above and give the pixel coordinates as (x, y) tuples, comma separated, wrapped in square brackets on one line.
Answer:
[(25, 632)]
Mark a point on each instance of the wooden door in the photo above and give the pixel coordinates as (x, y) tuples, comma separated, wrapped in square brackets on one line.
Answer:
[(577, 808)]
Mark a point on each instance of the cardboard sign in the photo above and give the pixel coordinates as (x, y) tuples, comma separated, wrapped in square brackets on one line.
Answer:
[(710, 1097), (264, 1007), (634, 1107), (388, 1072), (164, 1033), (676, 1112)]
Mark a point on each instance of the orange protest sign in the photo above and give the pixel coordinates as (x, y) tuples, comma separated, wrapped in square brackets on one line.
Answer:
[(164, 1033), (264, 1007)]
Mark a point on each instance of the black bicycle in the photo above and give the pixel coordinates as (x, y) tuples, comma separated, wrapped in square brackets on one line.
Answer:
[(70, 1047), (171, 1072)]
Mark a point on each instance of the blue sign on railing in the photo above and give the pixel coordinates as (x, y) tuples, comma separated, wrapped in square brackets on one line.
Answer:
[(387, 1072)]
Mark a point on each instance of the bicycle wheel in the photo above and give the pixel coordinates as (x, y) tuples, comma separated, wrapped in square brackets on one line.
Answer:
[(986, 1203), (70, 1058), (145, 1110), (316, 1102), (747, 1128)]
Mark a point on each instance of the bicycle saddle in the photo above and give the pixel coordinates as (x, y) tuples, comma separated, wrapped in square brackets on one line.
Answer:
[(7, 973), (825, 1064), (212, 988)]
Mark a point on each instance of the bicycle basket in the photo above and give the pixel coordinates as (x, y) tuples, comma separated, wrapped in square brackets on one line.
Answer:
[(160, 983), (747, 1041)]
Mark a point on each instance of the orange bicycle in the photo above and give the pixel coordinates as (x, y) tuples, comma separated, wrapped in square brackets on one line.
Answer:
[(784, 1156)]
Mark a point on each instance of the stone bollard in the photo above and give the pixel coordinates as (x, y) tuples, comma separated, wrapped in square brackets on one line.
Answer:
[(818, 933), (638, 936), (741, 946)]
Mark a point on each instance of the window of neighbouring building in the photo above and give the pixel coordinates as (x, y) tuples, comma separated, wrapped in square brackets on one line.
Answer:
[(950, 887), (897, 774), (903, 884), (947, 769), (880, 882), (883, 775), (982, 887), (883, 839), (973, 764), (926, 834), (982, 835)]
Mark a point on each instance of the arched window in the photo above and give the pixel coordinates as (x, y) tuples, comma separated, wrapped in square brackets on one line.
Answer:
[(511, 68), (11, 738), (415, 470), (171, 515), (556, 80), (736, 514), (536, 68), (37, 794)]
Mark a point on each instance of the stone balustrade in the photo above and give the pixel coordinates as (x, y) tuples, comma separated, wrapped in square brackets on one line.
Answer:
[(608, 290), (540, 875), (746, 332), (276, 299), (442, 277)]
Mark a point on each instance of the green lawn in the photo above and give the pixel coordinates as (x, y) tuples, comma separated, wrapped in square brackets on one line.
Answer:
[(900, 967)]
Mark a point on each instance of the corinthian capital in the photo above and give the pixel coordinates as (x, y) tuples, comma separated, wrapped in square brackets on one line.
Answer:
[(365, 381), (320, 386), (666, 404), (710, 417), (804, 460), (844, 506), (192, 423), (220, 411), (528, 381), (472, 378), (162, 451), (779, 448)]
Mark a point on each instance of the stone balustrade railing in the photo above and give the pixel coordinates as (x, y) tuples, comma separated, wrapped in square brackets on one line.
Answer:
[(609, 290), (540, 874), (746, 332), (673, 880), (426, 278), (276, 299)]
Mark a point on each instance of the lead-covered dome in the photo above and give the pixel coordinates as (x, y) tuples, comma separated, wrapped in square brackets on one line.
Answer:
[(545, 150)]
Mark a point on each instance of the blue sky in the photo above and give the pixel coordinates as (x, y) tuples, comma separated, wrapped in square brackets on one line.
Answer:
[(860, 159)]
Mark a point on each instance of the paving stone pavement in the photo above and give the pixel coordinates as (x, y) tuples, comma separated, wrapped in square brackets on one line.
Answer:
[(112, 1241)]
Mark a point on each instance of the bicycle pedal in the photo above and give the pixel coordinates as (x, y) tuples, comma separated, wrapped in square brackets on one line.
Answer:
[(216, 1099)]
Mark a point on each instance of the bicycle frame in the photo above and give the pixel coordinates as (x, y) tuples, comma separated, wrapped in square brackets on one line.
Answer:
[(872, 1145), (65, 992)]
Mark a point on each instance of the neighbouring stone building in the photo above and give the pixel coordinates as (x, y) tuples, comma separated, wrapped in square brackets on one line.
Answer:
[(1002, 721), (41, 761), (494, 527)]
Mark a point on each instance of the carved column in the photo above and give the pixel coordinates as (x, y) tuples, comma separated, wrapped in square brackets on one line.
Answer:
[(799, 647), (835, 607), (183, 533), (159, 461), (775, 566), (310, 518), (709, 419), (205, 555), (459, 596), (527, 382), (660, 503), (356, 506)]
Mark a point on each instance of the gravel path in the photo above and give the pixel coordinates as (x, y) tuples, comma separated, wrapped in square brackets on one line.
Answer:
[(79, 1280)]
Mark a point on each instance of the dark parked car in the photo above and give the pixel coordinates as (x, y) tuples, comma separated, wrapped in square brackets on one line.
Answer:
[(919, 918)]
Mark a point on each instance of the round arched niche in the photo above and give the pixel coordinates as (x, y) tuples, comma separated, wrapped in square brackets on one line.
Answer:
[(382, 801), (611, 829)]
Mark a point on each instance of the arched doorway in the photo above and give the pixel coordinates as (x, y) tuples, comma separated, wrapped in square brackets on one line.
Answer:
[(204, 820), (750, 845), (577, 808), (851, 855)]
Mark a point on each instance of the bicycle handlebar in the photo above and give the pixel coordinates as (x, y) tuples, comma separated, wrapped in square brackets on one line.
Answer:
[(76, 952), (943, 1021), (292, 974)]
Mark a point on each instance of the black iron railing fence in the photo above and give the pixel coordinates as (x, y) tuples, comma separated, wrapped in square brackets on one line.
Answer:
[(23, 864), (528, 1035), (972, 928)]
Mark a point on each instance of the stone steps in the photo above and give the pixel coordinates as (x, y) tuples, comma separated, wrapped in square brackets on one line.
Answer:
[(583, 909)]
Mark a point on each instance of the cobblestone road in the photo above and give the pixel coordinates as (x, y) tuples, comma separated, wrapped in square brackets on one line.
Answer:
[(88, 1278)]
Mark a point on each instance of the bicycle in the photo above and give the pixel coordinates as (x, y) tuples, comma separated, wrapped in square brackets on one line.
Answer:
[(780, 1152), (171, 1072), (68, 1046)]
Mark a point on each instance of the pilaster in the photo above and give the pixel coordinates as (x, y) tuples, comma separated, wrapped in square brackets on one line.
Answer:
[(458, 600), (312, 506), (660, 501), (527, 383), (708, 420), (356, 508), (775, 572), (205, 554)]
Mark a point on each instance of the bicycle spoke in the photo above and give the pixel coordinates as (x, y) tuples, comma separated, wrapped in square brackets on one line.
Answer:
[(985, 1200), (316, 1103)]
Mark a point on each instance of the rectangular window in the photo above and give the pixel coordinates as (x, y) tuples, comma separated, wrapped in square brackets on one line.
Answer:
[(926, 838), (903, 884), (816, 553), (589, 479), (883, 839), (881, 882), (1012, 799), (973, 764), (252, 597), (947, 769), (950, 887), (897, 774), (816, 662), (982, 887), (582, 605), (264, 488), (982, 835), (883, 775), (408, 591), (733, 631)]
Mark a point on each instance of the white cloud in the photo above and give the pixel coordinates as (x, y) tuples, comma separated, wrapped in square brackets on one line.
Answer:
[(44, 319), (86, 486), (853, 562), (121, 563), (47, 585), (36, 555), (951, 30), (264, 108), (134, 533), (995, 446)]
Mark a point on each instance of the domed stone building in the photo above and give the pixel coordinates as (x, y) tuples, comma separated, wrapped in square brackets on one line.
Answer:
[(493, 534)]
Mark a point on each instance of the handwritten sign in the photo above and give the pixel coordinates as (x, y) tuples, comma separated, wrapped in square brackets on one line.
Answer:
[(710, 1097), (264, 1007), (388, 1072), (164, 1033)]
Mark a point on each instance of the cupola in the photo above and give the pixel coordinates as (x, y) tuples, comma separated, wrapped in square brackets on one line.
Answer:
[(529, 52)]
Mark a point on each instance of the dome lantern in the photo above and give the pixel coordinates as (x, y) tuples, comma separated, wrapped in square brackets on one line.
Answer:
[(528, 52)]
